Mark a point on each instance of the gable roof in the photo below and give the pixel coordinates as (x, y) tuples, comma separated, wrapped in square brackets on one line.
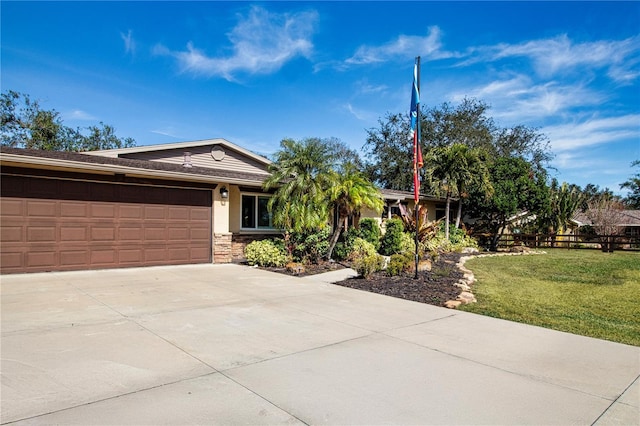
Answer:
[(75, 161), (627, 218), (115, 153)]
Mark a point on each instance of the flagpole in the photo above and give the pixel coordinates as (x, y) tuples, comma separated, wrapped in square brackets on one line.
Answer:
[(417, 182)]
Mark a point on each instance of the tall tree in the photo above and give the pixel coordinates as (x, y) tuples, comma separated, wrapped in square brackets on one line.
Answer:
[(632, 200), (564, 201), (389, 148), (301, 172), (458, 167), (606, 213), (517, 188), (350, 191), (24, 124)]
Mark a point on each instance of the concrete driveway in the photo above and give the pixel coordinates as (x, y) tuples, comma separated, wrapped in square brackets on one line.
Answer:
[(227, 344)]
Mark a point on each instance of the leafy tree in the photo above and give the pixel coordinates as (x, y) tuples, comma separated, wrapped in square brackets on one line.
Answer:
[(605, 214), (525, 142), (457, 167), (348, 193), (467, 123), (389, 150), (632, 200), (517, 188), (24, 124), (564, 201), (301, 172), (311, 176)]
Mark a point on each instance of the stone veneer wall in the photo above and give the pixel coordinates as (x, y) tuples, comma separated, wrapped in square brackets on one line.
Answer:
[(239, 242), (222, 248)]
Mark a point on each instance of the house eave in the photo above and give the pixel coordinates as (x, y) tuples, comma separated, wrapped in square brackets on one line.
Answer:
[(116, 153), (56, 164)]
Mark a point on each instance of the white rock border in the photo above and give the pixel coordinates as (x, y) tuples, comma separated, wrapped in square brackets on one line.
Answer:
[(468, 279)]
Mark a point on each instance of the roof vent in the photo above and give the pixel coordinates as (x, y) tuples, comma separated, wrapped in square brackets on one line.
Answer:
[(187, 160)]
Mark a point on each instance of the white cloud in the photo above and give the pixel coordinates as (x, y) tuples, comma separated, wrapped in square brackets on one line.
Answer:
[(404, 46), (561, 55), (262, 42), (517, 98), (129, 42), (78, 114), (596, 131), (167, 131)]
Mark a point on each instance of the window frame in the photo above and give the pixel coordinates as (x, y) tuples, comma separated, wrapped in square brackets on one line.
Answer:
[(256, 209)]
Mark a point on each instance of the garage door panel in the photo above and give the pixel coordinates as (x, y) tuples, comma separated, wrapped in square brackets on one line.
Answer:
[(11, 259), (155, 212), (71, 258), (11, 233), (13, 207), (84, 225), (102, 211), (42, 234), (200, 213), (128, 256), (70, 209), (43, 258), (130, 211), (42, 208), (73, 233)]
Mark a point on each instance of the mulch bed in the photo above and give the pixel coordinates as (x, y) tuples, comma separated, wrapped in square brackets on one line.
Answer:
[(434, 287)]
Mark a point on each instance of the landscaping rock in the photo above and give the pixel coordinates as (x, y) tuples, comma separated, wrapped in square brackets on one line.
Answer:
[(452, 304), (466, 297), (424, 265)]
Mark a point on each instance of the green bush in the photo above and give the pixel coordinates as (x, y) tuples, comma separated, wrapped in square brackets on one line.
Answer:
[(362, 248), (368, 264), (265, 253), (370, 231), (458, 240), (407, 243), (392, 239), (400, 263), (343, 248), (310, 247)]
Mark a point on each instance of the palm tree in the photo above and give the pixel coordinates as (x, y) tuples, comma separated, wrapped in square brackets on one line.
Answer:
[(349, 192), (301, 173), (564, 200), (458, 166)]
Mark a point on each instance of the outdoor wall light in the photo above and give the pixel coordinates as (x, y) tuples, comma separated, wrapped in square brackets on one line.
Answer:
[(224, 192)]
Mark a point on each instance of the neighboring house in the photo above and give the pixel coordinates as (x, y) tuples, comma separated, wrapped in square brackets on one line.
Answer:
[(180, 203), (628, 220)]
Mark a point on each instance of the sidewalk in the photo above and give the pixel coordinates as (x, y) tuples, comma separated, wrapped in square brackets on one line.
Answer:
[(227, 344)]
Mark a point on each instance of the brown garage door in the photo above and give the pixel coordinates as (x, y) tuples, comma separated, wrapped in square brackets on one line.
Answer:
[(55, 225)]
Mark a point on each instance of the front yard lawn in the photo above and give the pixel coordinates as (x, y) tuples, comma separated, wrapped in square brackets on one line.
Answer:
[(584, 292)]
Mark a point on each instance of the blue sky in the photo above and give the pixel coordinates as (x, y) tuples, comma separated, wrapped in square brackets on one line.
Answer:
[(257, 72)]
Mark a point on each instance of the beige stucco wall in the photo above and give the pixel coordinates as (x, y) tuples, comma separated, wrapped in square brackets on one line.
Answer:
[(234, 208), (220, 211)]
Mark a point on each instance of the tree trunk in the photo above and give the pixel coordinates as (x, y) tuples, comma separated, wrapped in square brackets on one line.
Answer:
[(446, 217), (334, 238), (459, 216)]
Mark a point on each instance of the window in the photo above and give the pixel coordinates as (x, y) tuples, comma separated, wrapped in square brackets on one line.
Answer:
[(255, 214)]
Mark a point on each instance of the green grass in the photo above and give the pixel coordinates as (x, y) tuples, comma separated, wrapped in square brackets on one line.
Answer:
[(584, 292)]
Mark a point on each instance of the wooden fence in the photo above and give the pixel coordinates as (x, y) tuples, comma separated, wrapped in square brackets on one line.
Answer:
[(600, 242)]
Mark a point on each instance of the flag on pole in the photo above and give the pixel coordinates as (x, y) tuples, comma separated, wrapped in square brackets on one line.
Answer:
[(415, 129)]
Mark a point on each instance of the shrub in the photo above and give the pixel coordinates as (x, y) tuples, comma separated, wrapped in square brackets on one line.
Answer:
[(362, 248), (370, 231), (310, 246), (368, 264), (399, 263), (392, 239), (458, 240), (343, 248), (265, 253), (407, 243)]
